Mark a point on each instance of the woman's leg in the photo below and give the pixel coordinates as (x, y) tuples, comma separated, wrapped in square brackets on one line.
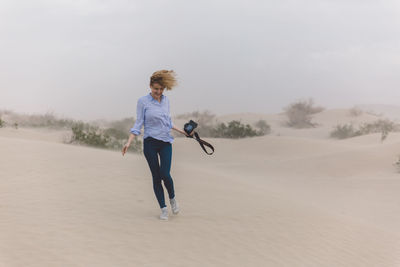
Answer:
[(150, 148), (165, 167)]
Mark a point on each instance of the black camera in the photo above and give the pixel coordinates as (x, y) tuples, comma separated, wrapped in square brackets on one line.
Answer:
[(189, 127)]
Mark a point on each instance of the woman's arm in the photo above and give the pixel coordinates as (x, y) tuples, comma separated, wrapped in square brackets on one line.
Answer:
[(180, 131), (135, 130), (128, 143), (131, 137)]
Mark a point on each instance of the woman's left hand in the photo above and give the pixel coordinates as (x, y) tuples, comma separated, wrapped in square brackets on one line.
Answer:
[(191, 134), (183, 132)]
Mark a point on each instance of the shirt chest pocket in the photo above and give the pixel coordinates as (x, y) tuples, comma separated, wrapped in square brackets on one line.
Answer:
[(157, 113)]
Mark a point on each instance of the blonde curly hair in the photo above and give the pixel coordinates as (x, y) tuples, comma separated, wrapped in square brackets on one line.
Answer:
[(166, 78)]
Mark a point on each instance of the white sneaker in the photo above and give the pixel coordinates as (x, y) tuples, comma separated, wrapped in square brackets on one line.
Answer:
[(164, 213), (174, 206)]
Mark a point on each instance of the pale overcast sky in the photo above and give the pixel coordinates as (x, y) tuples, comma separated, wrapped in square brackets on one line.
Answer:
[(93, 59)]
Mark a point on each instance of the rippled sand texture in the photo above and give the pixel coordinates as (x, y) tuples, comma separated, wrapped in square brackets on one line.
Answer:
[(297, 199)]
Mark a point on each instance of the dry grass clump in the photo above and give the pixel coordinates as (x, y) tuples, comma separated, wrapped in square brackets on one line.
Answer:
[(342, 131), (235, 129), (300, 114), (355, 112), (263, 127)]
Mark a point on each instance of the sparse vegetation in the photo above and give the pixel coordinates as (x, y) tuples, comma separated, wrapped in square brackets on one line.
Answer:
[(118, 132), (355, 112), (110, 138), (48, 120), (83, 133), (263, 126), (343, 131), (379, 126), (300, 114), (234, 129), (397, 163)]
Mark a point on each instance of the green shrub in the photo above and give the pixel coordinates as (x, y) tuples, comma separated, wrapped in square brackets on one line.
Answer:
[(110, 138), (122, 126), (83, 133), (234, 129), (379, 126), (344, 131), (119, 135), (115, 133), (113, 137)]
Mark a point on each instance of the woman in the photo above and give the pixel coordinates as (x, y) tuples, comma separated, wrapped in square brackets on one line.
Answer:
[(154, 113)]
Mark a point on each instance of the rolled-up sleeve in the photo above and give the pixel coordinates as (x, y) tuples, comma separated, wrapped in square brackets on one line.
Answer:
[(136, 129)]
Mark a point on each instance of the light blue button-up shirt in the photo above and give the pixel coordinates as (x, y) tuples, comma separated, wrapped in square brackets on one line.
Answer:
[(156, 118)]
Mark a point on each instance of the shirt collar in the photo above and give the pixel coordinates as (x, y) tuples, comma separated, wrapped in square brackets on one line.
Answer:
[(152, 99)]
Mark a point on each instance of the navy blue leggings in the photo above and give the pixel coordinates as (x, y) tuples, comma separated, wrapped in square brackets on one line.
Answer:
[(151, 149)]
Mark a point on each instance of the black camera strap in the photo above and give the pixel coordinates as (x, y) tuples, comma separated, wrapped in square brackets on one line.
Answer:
[(203, 143)]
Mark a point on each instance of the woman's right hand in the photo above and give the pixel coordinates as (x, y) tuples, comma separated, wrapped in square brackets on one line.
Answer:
[(125, 148)]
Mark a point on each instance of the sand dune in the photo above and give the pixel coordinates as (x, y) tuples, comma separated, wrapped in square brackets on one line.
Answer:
[(289, 200), (325, 120), (390, 111)]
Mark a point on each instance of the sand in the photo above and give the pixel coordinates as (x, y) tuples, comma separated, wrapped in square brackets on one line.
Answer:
[(297, 199)]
